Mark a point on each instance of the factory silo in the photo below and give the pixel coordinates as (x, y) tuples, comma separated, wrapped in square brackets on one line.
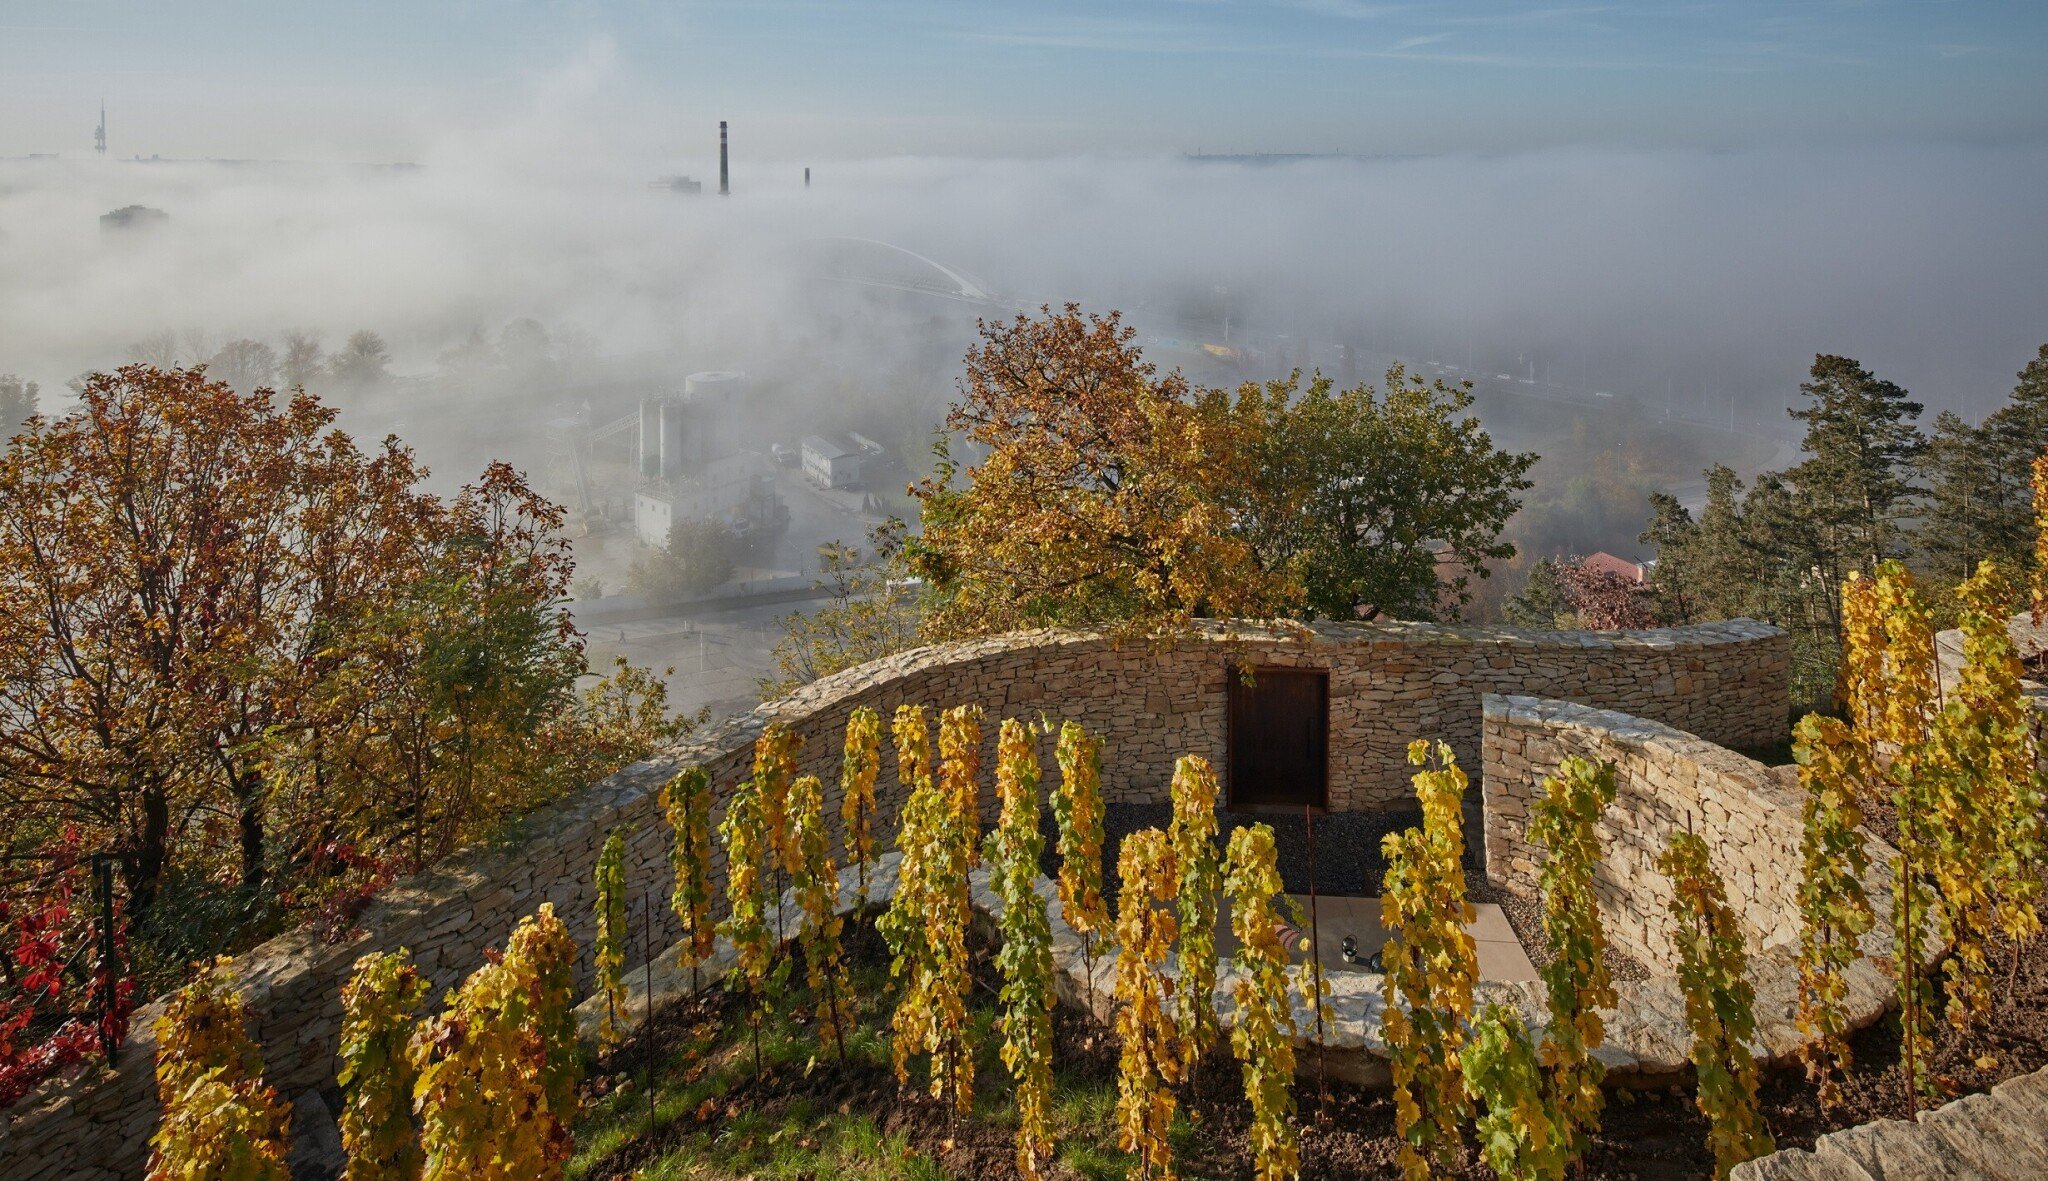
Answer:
[(650, 437), (716, 400), (675, 435)]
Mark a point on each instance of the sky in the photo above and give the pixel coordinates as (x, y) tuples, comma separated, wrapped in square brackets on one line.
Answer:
[(385, 80)]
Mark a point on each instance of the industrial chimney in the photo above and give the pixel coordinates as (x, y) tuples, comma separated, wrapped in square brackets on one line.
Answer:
[(724, 174)]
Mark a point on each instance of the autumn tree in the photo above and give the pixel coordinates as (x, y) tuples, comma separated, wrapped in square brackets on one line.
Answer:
[(1094, 502)]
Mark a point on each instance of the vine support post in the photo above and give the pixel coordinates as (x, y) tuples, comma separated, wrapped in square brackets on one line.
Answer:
[(110, 954), (647, 1002), (1315, 951)]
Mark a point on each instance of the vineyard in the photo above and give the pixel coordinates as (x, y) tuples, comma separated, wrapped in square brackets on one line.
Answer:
[(908, 1004)]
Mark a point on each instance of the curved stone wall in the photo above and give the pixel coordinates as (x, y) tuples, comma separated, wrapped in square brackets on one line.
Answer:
[(1667, 782), (1389, 683)]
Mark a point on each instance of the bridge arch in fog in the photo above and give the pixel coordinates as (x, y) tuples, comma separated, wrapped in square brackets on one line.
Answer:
[(867, 262)]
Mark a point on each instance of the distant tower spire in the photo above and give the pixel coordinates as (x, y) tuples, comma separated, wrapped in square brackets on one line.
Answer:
[(99, 138), (724, 175)]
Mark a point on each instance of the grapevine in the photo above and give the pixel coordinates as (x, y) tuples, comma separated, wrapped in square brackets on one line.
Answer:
[(377, 1007), (1432, 965), (219, 1119), (902, 925), (1835, 912), (746, 911), (960, 772), (1905, 669), (1262, 1035), (1012, 851), (611, 936), (2040, 581), (1522, 1135), (1984, 727), (1149, 1064), (1077, 809), (497, 1071), (861, 764), (774, 770), (1192, 834), (816, 883), (686, 801), (1719, 1003), (926, 923), (1564, 821)]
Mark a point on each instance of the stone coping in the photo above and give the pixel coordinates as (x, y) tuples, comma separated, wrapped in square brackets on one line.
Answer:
[(1996, 1135)]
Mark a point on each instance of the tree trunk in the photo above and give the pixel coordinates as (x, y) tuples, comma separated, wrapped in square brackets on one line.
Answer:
[(146, 868), (249, 791)]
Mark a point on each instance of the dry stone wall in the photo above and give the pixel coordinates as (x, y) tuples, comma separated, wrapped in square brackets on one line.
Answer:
[(1666, 782), (1389, 683)]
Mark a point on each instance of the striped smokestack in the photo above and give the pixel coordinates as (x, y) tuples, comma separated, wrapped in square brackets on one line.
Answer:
[(724, 175)]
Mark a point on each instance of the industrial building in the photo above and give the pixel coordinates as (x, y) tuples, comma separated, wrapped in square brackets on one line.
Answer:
[(832, 461), (691, 468)]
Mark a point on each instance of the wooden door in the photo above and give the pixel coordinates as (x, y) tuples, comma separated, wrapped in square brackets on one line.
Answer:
[(1279, 738)]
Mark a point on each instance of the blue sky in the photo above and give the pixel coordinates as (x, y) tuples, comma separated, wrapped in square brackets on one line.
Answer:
[(379, 79)]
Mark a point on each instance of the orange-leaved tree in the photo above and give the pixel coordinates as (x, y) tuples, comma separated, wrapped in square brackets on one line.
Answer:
[(1095, 502)]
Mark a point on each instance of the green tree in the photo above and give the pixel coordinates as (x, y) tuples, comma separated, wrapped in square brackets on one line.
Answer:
[(17, 405), (1978, 504), (699, 556), (873, 612), (1358, 497), (1541, 602), (362, 363), (1675, 578)]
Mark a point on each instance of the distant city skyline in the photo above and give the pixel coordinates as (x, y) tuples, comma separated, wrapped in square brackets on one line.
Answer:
[(385, 80)]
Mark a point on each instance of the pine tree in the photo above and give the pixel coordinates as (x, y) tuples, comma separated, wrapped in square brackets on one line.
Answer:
[(1856, 482)]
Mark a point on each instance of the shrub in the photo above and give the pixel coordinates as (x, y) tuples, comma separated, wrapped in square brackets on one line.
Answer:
[(611, 936), (1192, 834), (1077, 809), (686, 801), (1576, 978), (859, 767), (1522, 1134)]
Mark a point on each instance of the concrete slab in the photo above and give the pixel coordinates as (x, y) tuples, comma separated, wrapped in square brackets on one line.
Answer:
[(1501, 956)]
